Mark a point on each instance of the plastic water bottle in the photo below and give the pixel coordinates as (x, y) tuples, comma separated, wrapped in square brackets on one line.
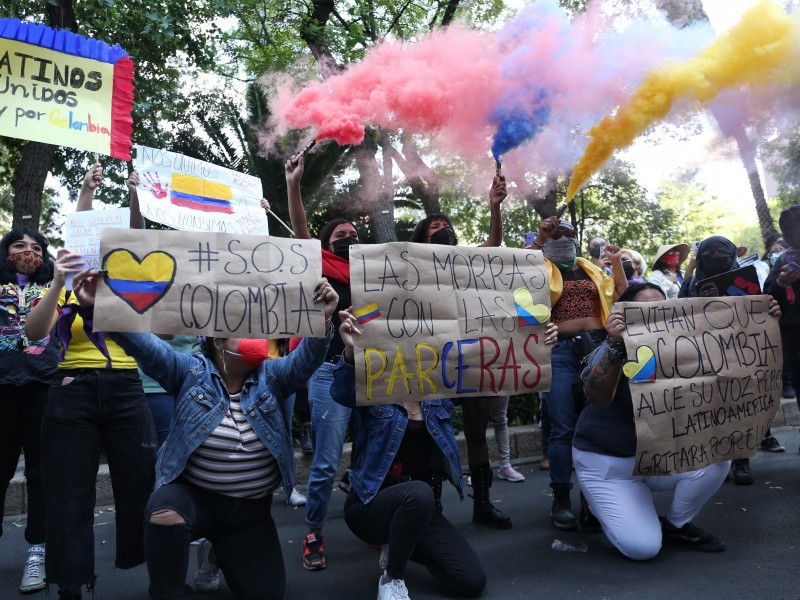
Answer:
[(565, 547)]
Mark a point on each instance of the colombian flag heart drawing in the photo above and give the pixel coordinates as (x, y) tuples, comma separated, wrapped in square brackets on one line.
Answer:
[(643, 369), (140, 283)]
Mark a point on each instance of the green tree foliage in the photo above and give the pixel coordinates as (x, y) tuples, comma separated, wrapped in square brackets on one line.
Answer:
[(784, 165)]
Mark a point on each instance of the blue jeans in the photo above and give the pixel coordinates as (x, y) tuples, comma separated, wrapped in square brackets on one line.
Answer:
[(101, 409), (161, 407), (328, 428), (561, 408)]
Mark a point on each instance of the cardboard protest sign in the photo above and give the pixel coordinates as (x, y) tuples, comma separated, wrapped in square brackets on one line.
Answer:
[(83, 229), (739, 282), (705, 377), (192, 195), (60, 88), (440, 321), (219, 285)]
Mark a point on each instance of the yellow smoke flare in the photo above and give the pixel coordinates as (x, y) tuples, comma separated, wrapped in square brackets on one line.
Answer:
[(750, 53)]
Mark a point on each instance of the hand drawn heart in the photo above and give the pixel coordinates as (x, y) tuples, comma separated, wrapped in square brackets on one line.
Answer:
[(140, 283), (528, 312), (643, 368), (751, 287)]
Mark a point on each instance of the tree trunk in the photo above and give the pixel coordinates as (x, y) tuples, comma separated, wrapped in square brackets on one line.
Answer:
[(374, 197), (423, 181), (747, 154), (29, 187), (545, 204)]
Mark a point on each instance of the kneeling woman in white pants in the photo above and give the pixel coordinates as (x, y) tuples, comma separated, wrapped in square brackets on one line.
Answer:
[(604, 454)]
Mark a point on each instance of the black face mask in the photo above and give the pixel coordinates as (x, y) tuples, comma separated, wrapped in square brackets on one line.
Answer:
[(341, 247), (716, 264), (444, 236), (627, 266)]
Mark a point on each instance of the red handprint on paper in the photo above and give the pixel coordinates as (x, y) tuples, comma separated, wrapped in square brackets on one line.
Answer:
[(152, 183)]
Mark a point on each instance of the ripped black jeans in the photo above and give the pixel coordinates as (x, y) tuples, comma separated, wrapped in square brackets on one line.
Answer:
[(243, 533)]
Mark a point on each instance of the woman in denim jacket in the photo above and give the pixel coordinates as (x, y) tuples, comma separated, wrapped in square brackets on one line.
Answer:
[(401, 455), (229, 447)]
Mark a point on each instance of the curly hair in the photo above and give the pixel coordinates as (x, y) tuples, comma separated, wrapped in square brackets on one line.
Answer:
[(8, 274)]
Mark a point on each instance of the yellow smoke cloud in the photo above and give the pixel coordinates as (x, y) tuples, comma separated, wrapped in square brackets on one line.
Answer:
[(751, 53)]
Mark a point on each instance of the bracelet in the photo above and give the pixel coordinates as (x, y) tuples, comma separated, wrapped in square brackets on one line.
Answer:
[(537, 245), (617, 349)]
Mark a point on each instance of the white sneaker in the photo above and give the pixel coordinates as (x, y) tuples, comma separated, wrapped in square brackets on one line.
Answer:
[(509, 473), (394, 590), (296, 498), (206, 579), (33, 576)]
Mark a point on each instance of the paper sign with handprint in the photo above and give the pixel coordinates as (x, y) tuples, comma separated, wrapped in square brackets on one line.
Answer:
[(191, 195)]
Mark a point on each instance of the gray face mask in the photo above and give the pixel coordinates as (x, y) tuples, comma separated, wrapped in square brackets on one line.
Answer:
[(562, 250)]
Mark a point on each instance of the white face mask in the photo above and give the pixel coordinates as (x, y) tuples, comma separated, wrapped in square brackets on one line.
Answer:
[(773, 258)]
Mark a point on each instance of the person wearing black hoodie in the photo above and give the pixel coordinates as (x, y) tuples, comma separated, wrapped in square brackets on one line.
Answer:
[(717, 255), (783, 284)]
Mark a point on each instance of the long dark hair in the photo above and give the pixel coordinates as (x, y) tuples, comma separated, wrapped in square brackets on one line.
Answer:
[(208, 347), (634, 288), (326, 232), (8, 274), (421, 230)]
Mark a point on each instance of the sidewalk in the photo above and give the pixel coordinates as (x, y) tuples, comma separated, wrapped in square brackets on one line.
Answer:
[(525, 442)]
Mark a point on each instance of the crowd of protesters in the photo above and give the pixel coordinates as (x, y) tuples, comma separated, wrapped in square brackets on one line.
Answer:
[(197, 453)]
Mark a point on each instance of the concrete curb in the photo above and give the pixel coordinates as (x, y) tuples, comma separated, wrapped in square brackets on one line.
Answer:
[(525, 442)]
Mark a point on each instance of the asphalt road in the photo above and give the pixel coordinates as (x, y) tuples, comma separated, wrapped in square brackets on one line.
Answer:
[(759, 523)]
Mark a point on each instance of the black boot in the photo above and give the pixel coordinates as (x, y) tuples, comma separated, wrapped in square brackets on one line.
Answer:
[(741, 471), (305, 439), (483, 511), (589, 523), (561, 514)]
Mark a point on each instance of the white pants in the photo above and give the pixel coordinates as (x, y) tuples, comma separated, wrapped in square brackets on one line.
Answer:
[(623, 503)]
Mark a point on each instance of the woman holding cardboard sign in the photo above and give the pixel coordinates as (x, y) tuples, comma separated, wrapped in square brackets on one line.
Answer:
[(436, 228), (402, 454), (228, 449), (328, 419), (96, 403), (604, 454), (581, 296)]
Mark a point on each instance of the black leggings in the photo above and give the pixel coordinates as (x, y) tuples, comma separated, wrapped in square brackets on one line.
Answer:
[(404, 516), (243, 533)]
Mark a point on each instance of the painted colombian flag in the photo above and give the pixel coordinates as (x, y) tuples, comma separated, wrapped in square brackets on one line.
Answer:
[(140, 283), (200, 194), (367, 313)]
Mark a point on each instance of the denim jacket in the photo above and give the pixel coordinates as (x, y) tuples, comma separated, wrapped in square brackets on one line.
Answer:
[(378, 431), (202, 401)]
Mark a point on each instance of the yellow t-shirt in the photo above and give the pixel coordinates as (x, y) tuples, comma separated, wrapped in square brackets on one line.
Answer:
[(83, 354)]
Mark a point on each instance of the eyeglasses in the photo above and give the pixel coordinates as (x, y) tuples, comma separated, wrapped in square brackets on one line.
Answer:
[(561, 232)]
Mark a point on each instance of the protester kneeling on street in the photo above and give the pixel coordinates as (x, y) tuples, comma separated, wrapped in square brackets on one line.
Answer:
[(402, 454), (225, 454), (604, 454)]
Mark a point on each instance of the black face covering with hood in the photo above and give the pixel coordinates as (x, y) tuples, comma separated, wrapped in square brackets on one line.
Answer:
[(716, 255)]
